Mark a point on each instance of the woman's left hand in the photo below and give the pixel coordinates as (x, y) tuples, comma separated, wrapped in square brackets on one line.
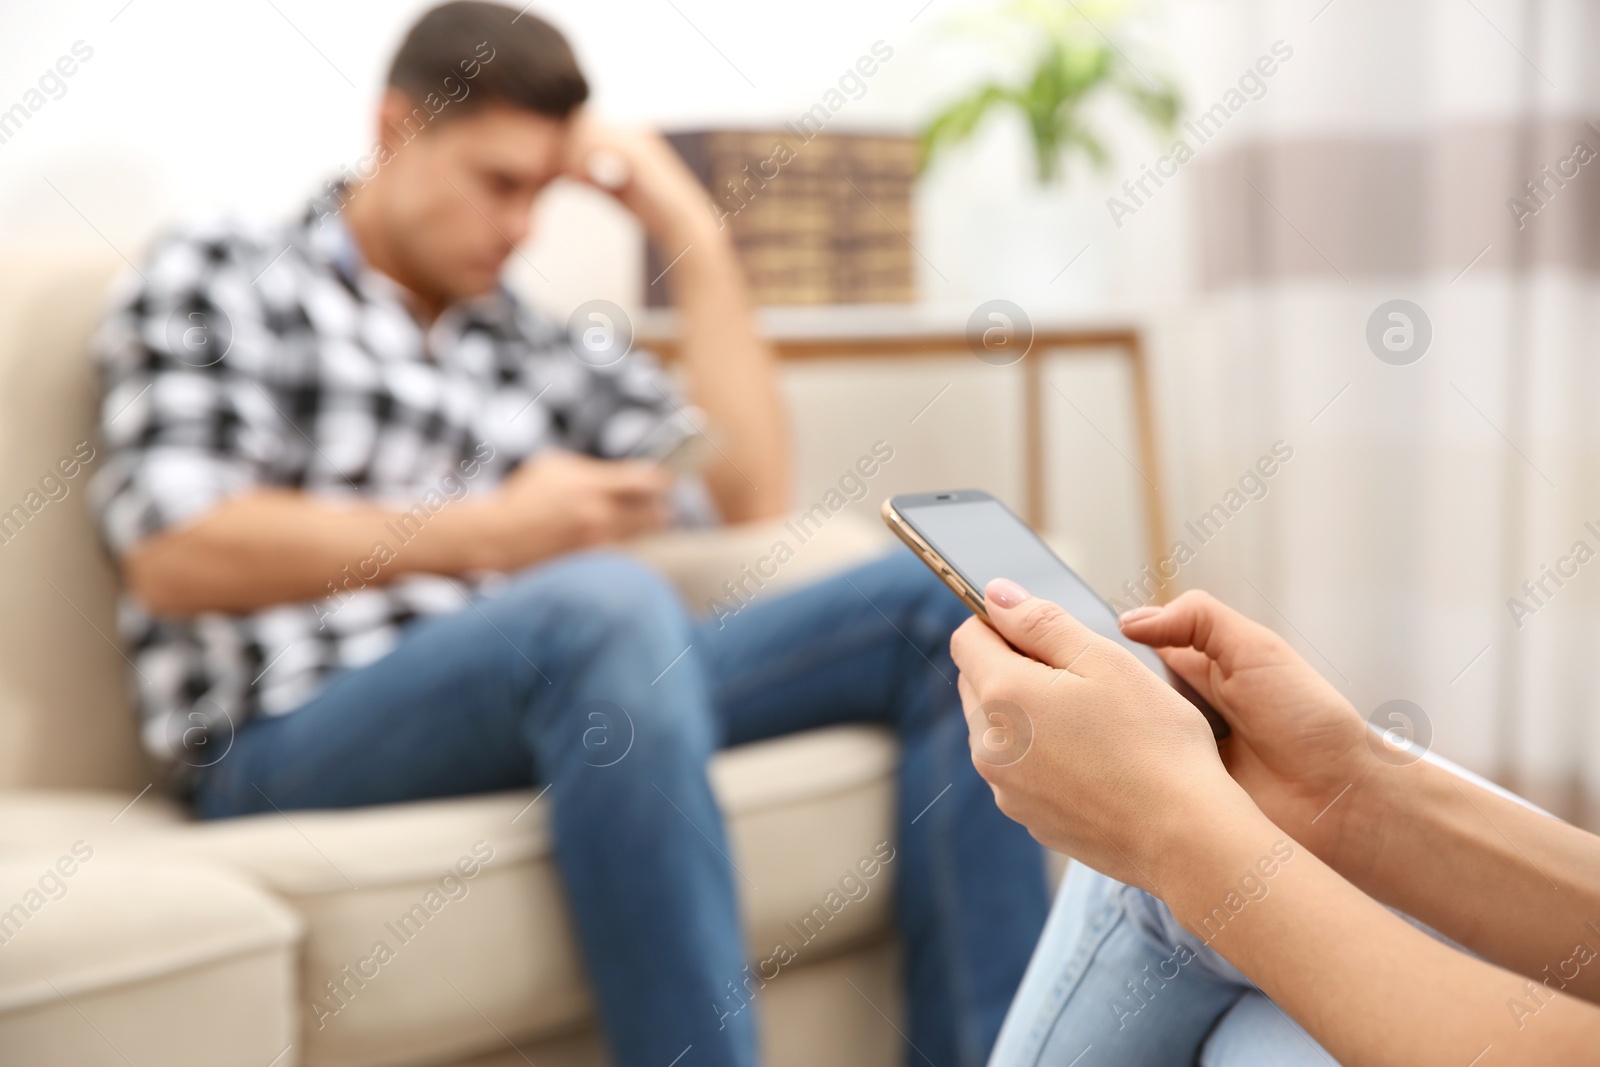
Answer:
[(1081, 743)]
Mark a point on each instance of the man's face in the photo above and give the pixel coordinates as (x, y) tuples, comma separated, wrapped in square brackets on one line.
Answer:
[(458, 198)]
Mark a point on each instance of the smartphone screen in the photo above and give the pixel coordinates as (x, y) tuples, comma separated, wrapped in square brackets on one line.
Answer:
[(981, 539)]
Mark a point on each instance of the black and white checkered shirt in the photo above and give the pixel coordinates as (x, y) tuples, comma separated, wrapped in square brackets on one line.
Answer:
[(246, 357)]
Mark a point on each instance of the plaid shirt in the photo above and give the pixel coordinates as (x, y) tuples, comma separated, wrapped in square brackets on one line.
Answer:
[(271, 357)]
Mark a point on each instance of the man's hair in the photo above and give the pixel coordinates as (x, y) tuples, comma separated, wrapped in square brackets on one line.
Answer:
[(533, 67)]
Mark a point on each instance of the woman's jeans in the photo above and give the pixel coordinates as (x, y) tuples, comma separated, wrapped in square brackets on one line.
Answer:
[(587, 676), (1117, 982)]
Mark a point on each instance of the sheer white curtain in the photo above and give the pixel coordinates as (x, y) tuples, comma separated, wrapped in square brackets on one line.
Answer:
[(1383, 160)]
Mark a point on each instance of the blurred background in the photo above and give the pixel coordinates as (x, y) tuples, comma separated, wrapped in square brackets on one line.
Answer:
[(1420, 542)]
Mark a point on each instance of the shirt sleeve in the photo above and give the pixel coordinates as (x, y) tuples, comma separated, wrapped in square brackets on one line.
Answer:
[(186, 418)]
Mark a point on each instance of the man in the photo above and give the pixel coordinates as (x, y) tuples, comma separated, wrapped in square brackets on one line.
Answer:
[(356, 490)]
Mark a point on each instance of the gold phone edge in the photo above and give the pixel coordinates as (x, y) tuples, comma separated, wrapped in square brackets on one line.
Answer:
[(933, 561)]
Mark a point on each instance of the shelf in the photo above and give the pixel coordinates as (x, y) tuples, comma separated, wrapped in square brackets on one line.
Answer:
[(879, 322)]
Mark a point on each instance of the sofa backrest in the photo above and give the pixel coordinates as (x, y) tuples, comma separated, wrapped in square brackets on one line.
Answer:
[(65, 719)]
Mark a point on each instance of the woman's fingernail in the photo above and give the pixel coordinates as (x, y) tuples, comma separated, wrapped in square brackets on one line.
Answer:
[(1005, 592), (1138, 614)]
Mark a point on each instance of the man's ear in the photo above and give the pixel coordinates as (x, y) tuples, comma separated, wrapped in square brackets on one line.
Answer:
[(396, 124), (574, 142)]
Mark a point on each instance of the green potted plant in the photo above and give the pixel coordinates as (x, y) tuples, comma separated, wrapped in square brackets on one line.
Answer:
[(1071, 61)]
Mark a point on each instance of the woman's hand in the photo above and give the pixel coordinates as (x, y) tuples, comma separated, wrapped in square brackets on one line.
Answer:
[(1082, 744), (1298, 746)]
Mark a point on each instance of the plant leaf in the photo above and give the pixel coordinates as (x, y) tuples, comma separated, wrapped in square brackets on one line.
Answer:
[(1072, 63), (958, 120)]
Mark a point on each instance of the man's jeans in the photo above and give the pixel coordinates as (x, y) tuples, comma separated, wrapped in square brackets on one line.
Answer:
[(588, 676)]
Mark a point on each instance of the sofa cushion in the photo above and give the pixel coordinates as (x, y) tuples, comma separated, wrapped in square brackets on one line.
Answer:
[(111, 961), (491, 949), (29, 818)]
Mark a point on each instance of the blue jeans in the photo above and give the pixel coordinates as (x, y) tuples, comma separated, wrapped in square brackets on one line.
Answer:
[(1117, 982), (504, 695)]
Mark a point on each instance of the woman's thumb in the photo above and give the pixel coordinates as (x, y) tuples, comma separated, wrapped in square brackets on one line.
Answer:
[(1039, 629)]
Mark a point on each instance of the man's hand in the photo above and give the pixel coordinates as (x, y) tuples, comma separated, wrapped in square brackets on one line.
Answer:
[(646, 176), (1297, 744), (560, 501)]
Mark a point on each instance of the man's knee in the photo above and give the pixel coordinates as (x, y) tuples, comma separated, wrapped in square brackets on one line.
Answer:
[(608, 623), (602, 594)]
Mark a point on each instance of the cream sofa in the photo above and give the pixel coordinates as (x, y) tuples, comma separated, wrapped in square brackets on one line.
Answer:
[(132, 934)]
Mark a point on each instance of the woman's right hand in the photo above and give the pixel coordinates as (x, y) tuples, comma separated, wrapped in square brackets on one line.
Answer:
[(1298, 747)]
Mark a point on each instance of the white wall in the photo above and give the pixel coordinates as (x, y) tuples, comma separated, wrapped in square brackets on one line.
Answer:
[(189, 106)]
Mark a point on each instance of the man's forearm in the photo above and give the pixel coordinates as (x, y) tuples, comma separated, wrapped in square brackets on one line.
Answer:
[(1516, 886), (274, 546), (732, 374)]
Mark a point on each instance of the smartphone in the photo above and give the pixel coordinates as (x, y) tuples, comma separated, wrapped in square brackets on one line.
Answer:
[(684, 454), (967, 538), (689, 456)]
